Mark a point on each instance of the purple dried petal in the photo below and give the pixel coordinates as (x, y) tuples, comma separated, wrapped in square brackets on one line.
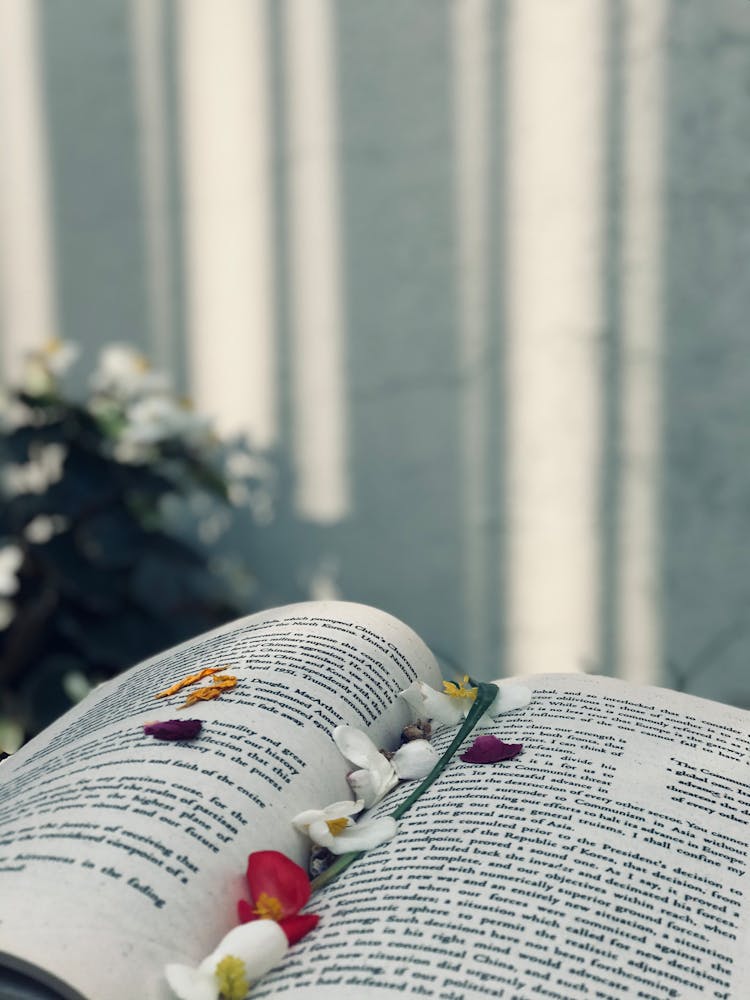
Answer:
[(490, 750), (174, 729)]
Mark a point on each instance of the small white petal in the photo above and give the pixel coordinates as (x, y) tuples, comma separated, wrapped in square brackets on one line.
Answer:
[(371, 786), (430, 704), (260, 945), (356, 746), (414, 759), (303, 820), (319, 834), (362, 836), (509, 698), (346, 808), (191, 984), (375, 776), (336, 810)]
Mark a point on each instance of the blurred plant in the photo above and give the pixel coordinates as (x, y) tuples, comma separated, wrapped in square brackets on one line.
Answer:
[(109, 508)]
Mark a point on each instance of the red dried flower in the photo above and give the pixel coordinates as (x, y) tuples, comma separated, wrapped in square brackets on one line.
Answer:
[(490, 750), (279, 889)]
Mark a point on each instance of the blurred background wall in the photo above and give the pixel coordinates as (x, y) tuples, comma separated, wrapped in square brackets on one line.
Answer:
[(475, 273)]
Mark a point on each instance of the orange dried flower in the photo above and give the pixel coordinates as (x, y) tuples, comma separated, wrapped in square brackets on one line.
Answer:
[(192, 679), (210, 691)]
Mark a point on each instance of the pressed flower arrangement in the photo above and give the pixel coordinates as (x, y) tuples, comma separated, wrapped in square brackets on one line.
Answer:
[(103, 560), (269, 925), (272, 921)]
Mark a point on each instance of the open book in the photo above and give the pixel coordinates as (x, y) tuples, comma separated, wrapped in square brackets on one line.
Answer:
[(608, 860)]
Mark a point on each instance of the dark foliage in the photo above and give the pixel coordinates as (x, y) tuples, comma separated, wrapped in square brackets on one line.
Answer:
[(101, 582)]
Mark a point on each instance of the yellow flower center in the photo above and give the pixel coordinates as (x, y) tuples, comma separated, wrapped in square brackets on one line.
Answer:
[(268, 907), (230, 978), (460, 690), (337, 826)]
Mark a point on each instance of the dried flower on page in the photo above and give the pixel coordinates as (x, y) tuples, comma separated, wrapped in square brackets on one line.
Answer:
[(191, 679), (279, 889), (490, 750), (208, 692), (334, 828), (245, 955), (450, 707), (376, 775), (174, 729)]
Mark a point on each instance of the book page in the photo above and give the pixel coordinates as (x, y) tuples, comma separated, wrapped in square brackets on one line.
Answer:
[(608, 860), (120, 852)]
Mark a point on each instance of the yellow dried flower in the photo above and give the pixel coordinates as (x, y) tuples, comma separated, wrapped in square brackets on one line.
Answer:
[(460, 690)]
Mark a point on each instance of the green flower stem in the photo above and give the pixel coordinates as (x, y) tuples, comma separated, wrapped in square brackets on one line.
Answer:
[(486, 694)]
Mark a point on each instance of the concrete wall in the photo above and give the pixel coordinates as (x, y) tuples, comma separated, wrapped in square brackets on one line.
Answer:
[(475, 272)]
